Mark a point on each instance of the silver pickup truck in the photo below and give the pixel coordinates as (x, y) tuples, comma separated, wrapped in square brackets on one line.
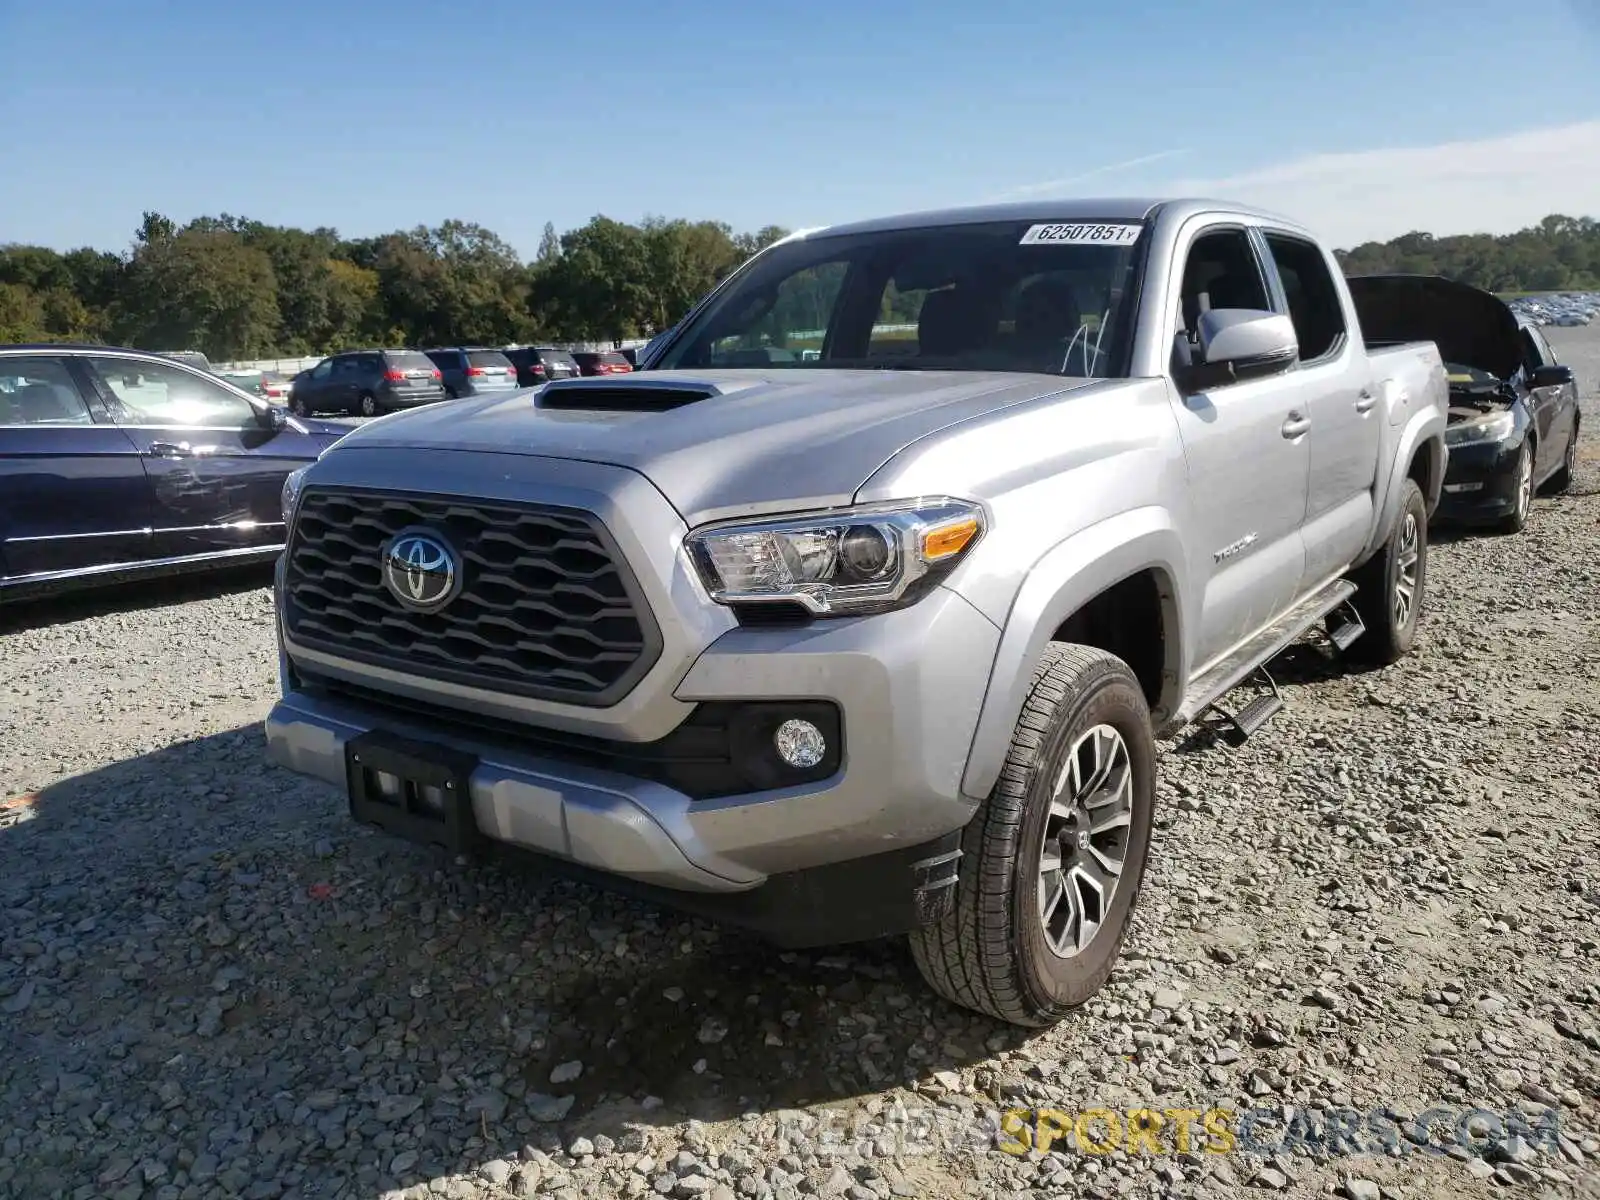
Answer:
[(859, 611)]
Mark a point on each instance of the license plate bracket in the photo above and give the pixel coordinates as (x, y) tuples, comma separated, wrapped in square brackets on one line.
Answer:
[(420, 791)]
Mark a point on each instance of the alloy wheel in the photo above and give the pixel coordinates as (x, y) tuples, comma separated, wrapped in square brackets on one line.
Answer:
[(1405, 576), (1086, 837), (1524, 481)]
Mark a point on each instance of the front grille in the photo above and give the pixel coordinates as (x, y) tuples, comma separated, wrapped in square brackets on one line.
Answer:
[(546, 606)]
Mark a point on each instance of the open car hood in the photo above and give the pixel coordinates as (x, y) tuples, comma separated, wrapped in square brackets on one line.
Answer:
[(1469, 325)]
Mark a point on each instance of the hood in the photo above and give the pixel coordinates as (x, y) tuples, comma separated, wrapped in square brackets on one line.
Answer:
[(721, 443), (1469, 325)]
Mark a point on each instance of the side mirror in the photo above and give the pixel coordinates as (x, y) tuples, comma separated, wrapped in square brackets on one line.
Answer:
[(1241, 343), (1550, 376)]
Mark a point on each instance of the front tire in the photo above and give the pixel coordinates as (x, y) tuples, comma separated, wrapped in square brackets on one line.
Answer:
[(1522, 499), (299, 407), (1053, 861), (1562, 479), (1391, 584)]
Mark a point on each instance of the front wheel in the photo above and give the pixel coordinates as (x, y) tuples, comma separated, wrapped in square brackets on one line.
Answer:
[(1562, 479), (1390, 585), (299, 407), (1522, 500), (1052, 862)]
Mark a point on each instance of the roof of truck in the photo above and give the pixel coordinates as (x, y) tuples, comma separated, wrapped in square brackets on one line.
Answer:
[(1104, 208)]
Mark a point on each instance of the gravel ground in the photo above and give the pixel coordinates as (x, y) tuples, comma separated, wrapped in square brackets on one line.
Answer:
[(211, 983)]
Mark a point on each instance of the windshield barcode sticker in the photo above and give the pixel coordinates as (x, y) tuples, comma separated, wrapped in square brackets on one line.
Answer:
[(1081, 235)]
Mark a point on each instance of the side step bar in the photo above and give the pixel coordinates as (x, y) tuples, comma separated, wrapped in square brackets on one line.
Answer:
[(1253, 715), (1349, 628), (1245, 660)]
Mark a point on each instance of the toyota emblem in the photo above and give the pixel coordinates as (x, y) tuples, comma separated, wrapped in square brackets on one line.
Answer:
[(421, 571)]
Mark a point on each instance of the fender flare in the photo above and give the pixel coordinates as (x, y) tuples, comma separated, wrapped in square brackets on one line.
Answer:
[(1424, 432), (1067, 577)]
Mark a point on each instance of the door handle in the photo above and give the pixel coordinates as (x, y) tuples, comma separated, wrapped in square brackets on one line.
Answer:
[(169, 450), (1365, 400), (1295, 425)]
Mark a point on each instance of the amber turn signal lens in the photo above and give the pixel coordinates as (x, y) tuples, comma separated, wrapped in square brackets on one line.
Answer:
[(948, 539)]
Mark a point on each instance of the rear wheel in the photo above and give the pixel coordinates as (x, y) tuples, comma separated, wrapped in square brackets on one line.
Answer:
[(1053, 861), (1390, 585), (369, 405)]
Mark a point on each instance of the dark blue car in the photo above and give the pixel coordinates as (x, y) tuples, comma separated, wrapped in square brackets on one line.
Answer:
[(116, 464)]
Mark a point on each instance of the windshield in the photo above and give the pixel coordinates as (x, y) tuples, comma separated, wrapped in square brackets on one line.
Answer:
[(1006, 296)]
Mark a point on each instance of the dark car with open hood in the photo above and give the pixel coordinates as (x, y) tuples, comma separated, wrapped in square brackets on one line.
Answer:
[(117, 464), (1513, 408)]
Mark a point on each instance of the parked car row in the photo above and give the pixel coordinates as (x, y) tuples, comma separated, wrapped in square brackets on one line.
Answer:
[(1558, 308), (373, 382)]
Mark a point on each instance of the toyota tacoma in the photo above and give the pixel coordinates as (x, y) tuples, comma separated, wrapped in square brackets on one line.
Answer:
[(860, 610)]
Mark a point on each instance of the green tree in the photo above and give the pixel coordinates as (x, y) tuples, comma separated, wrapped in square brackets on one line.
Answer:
[(201, 288)]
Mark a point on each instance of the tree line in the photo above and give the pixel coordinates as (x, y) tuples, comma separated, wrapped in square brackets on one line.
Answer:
[(237, 288)]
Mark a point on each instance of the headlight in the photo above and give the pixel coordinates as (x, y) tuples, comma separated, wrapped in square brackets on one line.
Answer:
[(293, 482), (843, 563), (1492, 427)]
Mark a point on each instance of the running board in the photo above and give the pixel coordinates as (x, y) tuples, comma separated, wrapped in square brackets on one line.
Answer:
[(1348, 628), (1247, 659), (1253, 715)]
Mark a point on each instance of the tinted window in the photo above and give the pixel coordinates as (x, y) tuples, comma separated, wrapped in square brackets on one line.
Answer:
[(1006, 296), (1220, 271), (487, 358), (558, 358), (347, 366), (323, 369), (1537, 349), (1313, 300), (408, 360), (155, 394), (39, 391), (612, 356)]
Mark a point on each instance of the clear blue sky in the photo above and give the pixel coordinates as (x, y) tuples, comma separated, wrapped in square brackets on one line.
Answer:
[(373, 116)]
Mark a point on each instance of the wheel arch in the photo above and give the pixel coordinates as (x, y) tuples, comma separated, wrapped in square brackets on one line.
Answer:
[(1117, 586)]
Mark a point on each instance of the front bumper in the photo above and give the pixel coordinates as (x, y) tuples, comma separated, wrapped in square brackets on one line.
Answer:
[(909, 685), (1480, 483)]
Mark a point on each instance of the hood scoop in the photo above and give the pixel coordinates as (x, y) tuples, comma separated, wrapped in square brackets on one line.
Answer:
[(633, 395)]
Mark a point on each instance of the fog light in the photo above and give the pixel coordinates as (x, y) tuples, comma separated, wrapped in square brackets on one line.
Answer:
[(800, 744)]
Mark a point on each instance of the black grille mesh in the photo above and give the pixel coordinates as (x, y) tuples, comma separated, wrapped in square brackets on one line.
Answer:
[(545, 607)]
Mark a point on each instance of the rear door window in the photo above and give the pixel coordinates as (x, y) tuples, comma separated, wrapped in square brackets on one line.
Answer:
[(1309, 291)]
